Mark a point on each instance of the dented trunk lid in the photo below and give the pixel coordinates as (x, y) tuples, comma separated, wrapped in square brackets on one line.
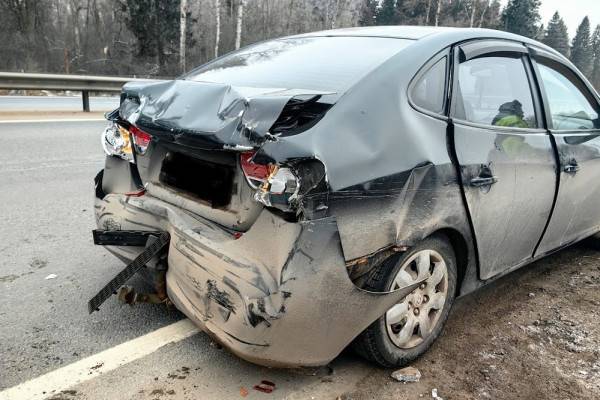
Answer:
[(199, 130)]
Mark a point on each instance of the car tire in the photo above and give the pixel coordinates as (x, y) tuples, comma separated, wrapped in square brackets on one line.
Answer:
[(389, 345)]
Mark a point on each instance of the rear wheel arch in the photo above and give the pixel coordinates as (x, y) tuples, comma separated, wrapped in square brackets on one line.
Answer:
[(461, 252), (375, 343)]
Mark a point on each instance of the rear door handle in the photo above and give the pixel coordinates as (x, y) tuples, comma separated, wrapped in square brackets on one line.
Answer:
[(571, 168), (483, 181)]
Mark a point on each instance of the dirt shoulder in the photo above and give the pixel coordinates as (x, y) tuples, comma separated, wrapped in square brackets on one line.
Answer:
[(533, 334)]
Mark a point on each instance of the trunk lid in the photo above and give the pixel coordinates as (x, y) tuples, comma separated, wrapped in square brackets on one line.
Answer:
[(198, 131)]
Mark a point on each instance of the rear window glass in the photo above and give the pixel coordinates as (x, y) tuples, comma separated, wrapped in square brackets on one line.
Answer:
[(317, 63), (429, 91)]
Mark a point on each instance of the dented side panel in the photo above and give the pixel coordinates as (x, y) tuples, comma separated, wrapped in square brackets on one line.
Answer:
[(310, 307)]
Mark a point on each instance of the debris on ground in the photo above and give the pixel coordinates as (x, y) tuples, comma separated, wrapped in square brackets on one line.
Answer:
[(243, 392), (408, 374), (434, 394), (265, 386), (98, 365), (51, 276)]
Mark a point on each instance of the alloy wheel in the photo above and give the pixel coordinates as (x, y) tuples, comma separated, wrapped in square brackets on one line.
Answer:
[(412, 320)]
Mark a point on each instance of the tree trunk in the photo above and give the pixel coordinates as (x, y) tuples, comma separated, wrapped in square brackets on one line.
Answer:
[(160, 53), (182, 33), (218, 26), (437, 12), (335, 14), (473, 8), (238, 27), (289, 19), (428, 11), (487, 5)]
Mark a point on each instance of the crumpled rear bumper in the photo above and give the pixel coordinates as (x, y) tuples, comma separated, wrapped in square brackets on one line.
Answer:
[(279, 295)]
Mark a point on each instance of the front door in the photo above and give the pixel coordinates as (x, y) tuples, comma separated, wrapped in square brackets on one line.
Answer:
[(572, 112), (506, 159)]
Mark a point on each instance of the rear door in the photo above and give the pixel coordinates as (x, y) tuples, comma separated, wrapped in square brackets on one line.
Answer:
[(572, 111), (506, 157)]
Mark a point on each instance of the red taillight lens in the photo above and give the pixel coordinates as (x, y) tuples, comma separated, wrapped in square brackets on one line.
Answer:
[(255, 173), (141, 139)]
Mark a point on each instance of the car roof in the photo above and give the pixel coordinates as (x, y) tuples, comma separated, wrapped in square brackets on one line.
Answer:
[(391, 31), (441, 35)]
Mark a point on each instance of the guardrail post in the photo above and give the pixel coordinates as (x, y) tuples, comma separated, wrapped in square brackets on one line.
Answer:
[(85, 97)]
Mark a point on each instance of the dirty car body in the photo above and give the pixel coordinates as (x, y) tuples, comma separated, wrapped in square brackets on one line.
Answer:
[(287, 170)]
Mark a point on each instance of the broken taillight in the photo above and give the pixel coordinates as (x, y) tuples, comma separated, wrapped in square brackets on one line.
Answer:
[(116, 141), (279, 190), (141, 139), (275, 186), (255, 174)]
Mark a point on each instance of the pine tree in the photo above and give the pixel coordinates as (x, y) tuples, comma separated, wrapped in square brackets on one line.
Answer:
[(581, 49), (368, 12), (595, 77), (522, 17), (386, 14), (557, 35)]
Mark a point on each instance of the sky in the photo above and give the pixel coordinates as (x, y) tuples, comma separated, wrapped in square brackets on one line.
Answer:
[(572, 11)]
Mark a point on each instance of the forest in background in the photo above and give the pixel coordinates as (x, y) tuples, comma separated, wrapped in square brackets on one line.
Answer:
[(150, 38)]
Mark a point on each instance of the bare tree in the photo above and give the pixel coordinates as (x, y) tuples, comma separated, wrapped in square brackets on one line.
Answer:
[(217, 26), (473, 8), (238, 27), (182, 33), (427, 12), (487, 5), (334, 14), (437, 12)]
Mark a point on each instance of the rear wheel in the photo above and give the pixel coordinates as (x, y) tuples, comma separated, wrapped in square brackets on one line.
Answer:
[(408, 328)]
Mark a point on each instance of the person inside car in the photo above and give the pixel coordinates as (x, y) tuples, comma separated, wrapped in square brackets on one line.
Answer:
[(510, 114)]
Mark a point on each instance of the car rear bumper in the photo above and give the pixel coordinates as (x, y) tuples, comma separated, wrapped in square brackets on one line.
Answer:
[(279, 295)]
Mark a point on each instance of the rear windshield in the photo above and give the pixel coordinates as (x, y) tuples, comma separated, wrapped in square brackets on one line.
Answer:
[(330, 64)]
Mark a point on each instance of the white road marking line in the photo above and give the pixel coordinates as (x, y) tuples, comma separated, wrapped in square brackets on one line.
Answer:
[(29, 121), (91, 367)]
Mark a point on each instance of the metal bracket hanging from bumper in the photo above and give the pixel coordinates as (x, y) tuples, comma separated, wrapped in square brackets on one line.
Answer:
[(156, 247)]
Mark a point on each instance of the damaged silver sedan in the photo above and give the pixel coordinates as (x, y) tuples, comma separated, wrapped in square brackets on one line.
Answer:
[(343, 187)]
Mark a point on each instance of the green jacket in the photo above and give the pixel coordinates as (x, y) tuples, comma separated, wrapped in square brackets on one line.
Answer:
[(512, 121)]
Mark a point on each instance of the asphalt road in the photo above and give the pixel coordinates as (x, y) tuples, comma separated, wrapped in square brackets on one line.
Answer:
[(46, 174), (56, 103)]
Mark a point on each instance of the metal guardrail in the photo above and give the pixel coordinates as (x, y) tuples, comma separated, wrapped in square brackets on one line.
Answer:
[(82, 83)]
